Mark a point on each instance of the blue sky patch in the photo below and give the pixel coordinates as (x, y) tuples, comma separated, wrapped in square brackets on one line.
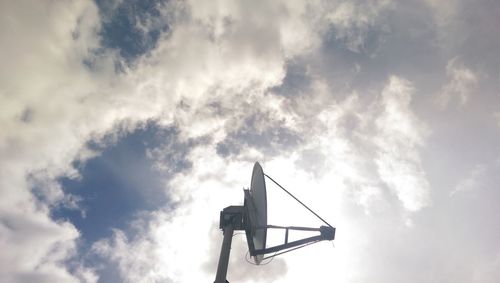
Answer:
[(119, 183), (132, 27)]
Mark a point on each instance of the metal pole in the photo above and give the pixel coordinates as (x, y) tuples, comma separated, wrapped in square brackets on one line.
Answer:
[(224, 255)]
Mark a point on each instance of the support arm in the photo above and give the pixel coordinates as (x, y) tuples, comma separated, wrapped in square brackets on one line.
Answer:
[(327, 233)]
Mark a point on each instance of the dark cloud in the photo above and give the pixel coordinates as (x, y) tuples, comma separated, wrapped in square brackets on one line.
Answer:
[(261, 132), (401, 40), (297, 81)]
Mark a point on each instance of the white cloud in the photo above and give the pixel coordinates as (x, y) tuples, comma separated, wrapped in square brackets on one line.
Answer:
[(479, 178), (183, 245), (444, 12), (496, 116), (34, 247), (353, 21), (172, 238), (400, 134), (461, 83), (52, 104), (355, 155), (473, 181), (41, 75), (370, 142)]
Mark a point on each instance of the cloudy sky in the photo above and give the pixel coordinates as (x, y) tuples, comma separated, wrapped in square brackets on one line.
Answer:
[(127, 125)]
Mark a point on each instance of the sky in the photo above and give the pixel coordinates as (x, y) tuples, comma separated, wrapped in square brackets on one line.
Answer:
[(126, 126)]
